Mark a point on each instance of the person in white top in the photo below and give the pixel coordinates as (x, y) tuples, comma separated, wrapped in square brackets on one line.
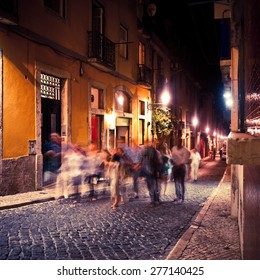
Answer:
[(180, 157), (195, 163)]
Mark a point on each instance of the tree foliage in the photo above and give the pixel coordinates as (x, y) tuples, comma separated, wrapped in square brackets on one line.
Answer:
[(164, 123)]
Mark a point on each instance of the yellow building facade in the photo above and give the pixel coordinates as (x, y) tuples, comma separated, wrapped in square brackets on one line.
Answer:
[(80, 68)]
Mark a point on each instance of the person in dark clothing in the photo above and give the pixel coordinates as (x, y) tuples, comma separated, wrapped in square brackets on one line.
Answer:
[(180, 158), (51, 158), (149, 167)]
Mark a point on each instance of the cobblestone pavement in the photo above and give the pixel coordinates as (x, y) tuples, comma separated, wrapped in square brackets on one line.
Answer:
[(59, 229), (214, 234)]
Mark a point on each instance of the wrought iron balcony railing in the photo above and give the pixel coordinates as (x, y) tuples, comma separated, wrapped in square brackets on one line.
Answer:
[(145, 75), (101, 49)]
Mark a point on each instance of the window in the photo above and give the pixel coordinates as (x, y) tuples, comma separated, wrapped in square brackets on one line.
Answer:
[(141, 132), (97, 18), (123, 39), (58, 6), (141, 107), (97, 98), (50, 87), (123, 102), (141, 54)]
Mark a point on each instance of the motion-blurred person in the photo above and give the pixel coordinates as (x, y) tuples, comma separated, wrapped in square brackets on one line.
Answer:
[(71, 172), (180, 157), (93, 169), (51, 158), (195, 163), (165, 171), (149, 167), (115, 173)]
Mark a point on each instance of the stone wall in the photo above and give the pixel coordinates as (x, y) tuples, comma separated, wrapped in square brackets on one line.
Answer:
[(18, 175)]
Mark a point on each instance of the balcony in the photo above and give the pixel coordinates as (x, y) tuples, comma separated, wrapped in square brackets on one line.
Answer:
[(101, 51), (145, 75)]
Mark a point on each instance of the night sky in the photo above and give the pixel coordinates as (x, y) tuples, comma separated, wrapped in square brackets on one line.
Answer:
[(196, 37)]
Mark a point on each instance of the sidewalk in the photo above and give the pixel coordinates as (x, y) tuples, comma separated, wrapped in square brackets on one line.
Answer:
[(213, 235), (46, 194)]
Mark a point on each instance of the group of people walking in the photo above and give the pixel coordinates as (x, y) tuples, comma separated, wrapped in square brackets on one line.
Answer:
[(154, 162)]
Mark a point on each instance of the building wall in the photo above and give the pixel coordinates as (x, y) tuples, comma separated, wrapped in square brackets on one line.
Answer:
[(250, 213), (60, 49), (44, 42), (243, 148)]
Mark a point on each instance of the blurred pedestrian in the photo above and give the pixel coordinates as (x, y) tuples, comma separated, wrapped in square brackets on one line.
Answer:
[(136, 154), (195, 163), (180, 157), (116, 173), (51, 158), (165, 170), (221, 153), (125, 170), (71, 174), (214, 153), (149, 167), (93, 169)]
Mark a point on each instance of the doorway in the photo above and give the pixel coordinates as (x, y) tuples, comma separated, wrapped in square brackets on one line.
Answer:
[(50, 123), (51, 118), (97, 125), (122, 136)]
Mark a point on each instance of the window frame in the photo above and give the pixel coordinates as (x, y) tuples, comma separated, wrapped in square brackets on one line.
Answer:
[(62, 7), (141, 53), (123, 42)]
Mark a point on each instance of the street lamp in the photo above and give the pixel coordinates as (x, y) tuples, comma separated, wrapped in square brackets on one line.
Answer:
[(228, 99), (195, 122), (165, 99)]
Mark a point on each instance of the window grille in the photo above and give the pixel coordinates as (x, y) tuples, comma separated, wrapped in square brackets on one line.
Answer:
[(50, 87)]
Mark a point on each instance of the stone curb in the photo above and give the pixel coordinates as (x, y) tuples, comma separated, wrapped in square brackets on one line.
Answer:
[(16, 205), (182, 243)]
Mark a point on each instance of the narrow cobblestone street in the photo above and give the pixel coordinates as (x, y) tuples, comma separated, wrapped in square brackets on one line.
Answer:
[(92, 230)]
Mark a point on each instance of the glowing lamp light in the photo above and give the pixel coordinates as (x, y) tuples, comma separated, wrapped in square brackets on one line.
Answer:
[(228, 99), (120, 100), (229, 102), (110, 119), (227, 95), (207, 129), (165, 98), (195, 121)]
